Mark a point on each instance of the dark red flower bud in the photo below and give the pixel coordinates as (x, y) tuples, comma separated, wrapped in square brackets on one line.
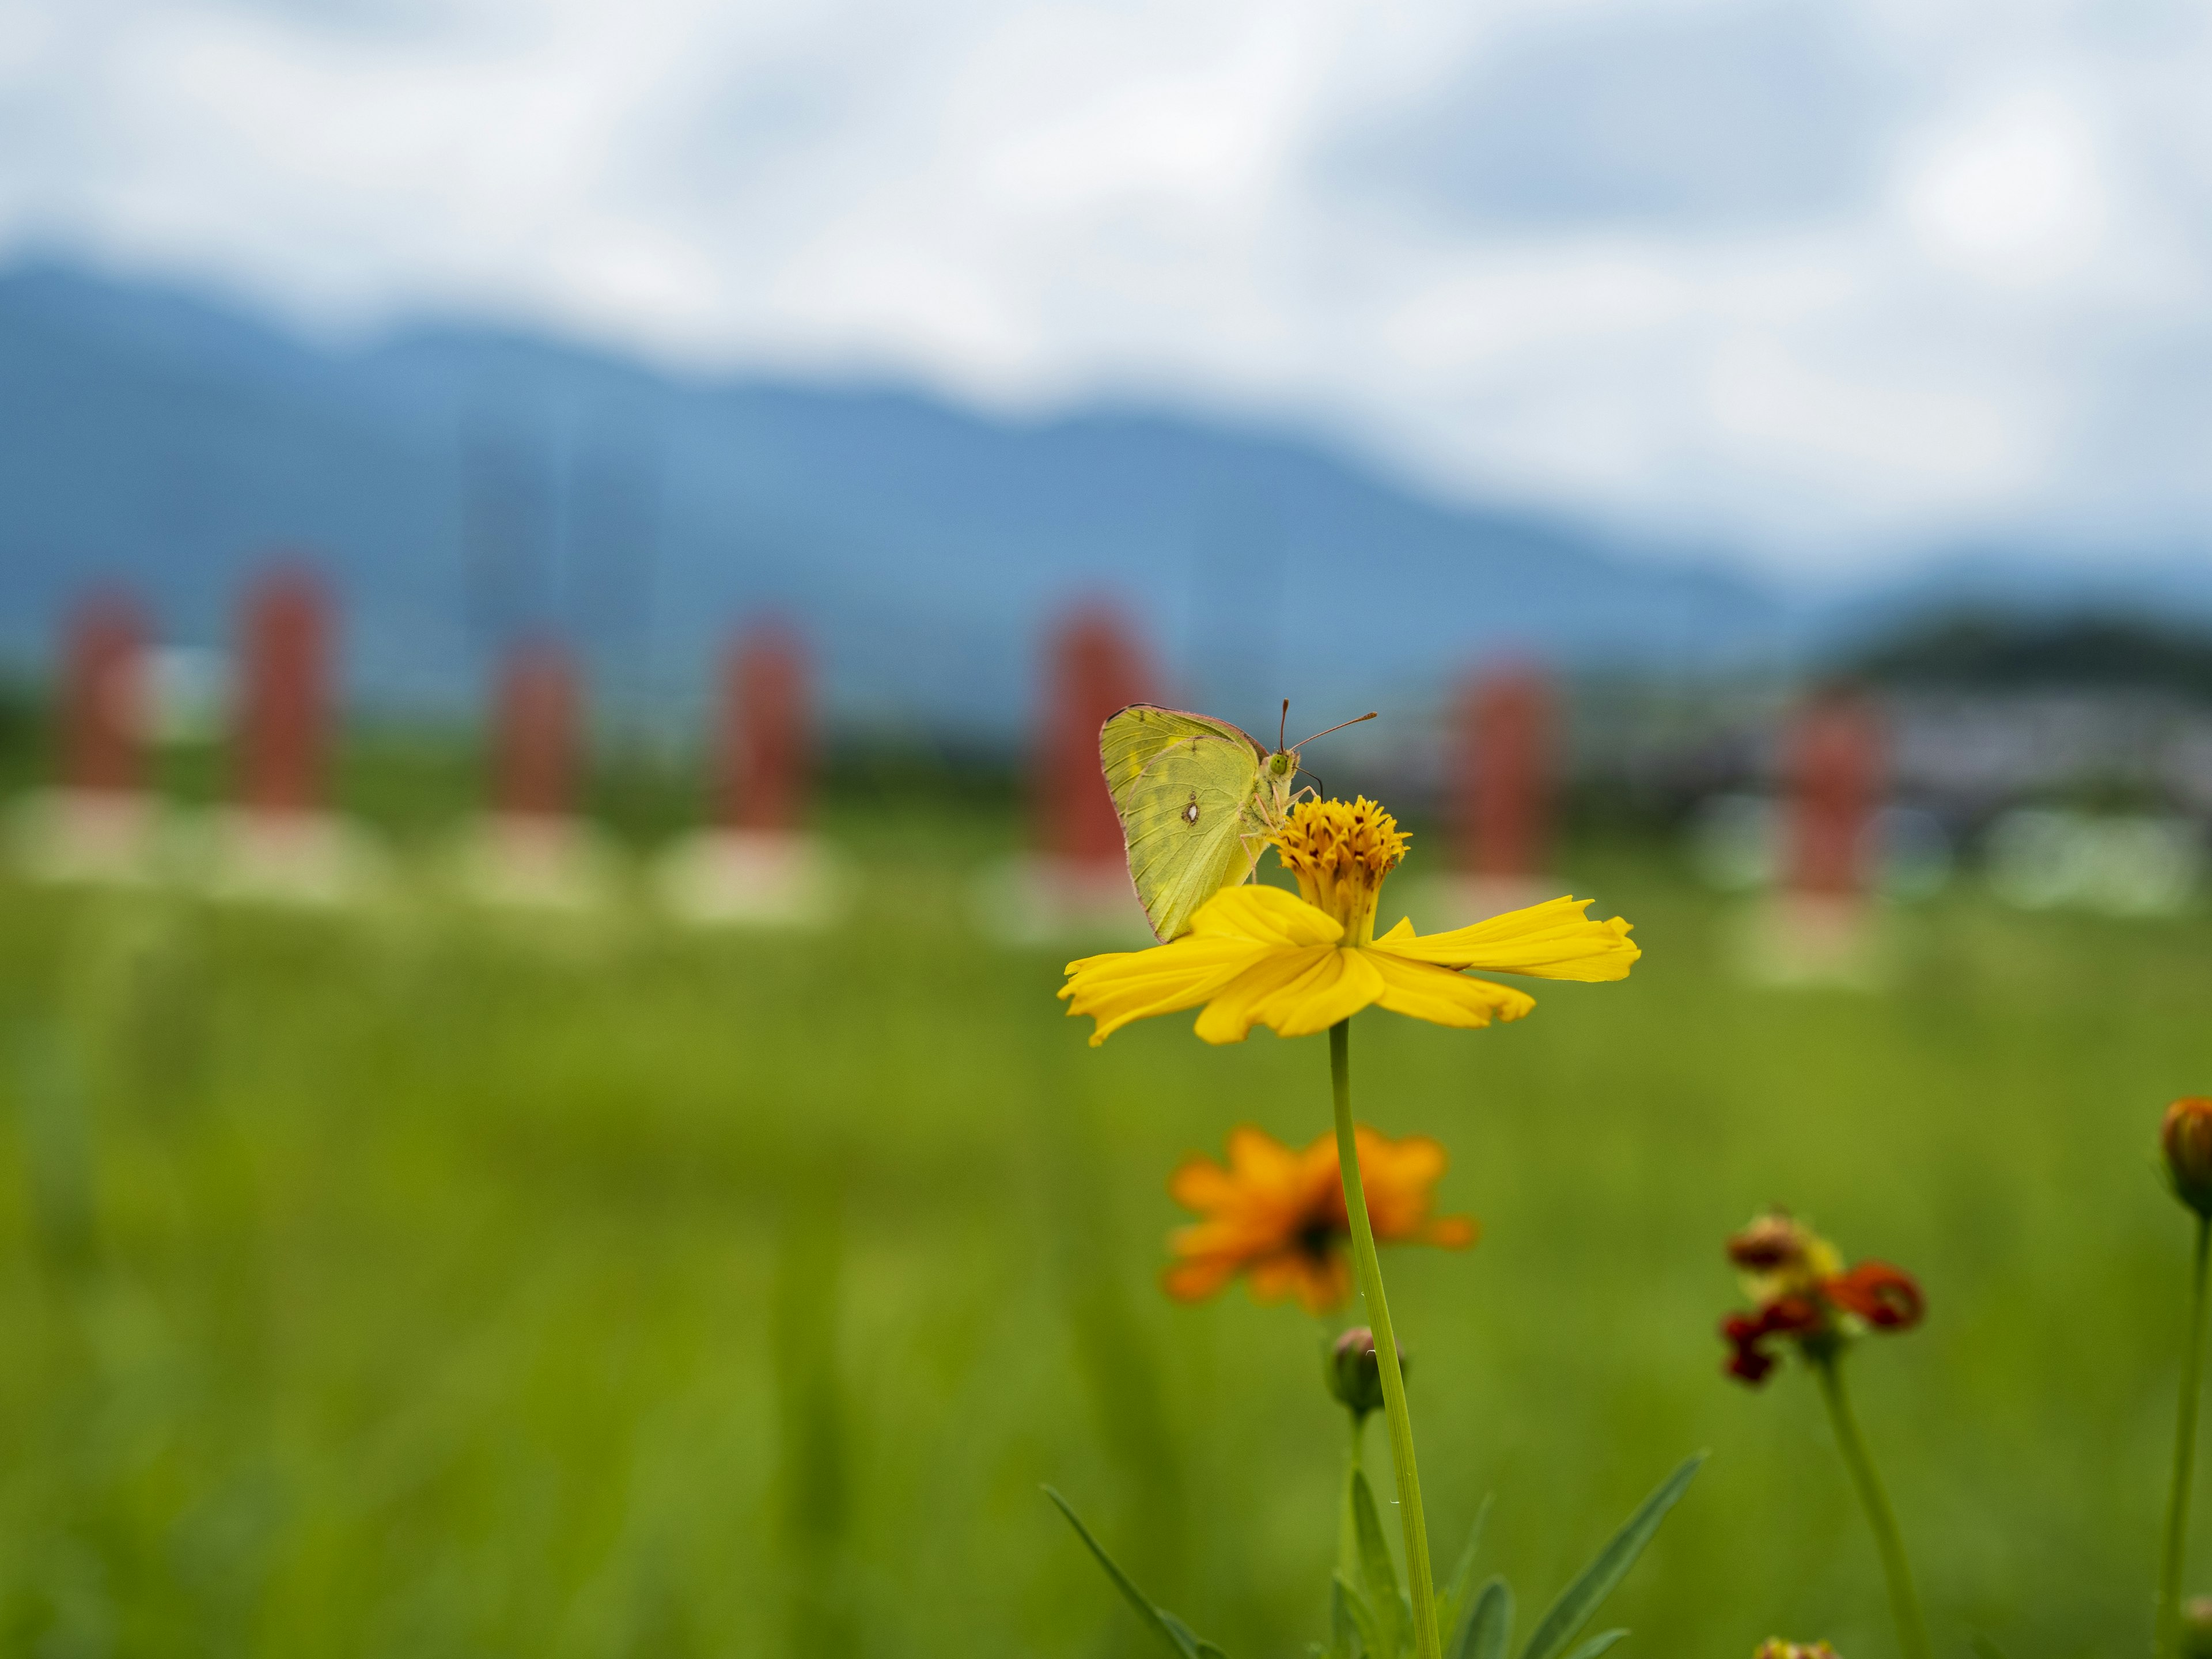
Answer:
[(1791, 1316), (1750, 1363), (1772, 1242), (1887, 1297), (1353, 1374), (1747, 1362)]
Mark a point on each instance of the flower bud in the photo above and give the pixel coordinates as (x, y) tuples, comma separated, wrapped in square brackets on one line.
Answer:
[(2196, 1628), (1354, 1375), (1774, 1243), (2185, 1139)]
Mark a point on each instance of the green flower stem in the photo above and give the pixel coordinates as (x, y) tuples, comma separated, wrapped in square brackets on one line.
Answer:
[(1422, 1587), (1904, 1600), (2166, 1639), (1347, 1529)]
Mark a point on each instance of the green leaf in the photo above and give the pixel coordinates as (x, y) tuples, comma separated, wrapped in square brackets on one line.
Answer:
[(1454, 1599), (1343, 1637), (1489, 1626), (1580, 1599), (1597, 1645), (1370, 1638), (1985, 1648), (1378, 1574), (1170, 1630)]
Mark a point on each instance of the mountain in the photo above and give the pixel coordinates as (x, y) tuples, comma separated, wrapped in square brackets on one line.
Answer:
[(460, 486)]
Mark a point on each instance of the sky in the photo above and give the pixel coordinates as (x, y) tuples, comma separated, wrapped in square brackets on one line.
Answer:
[(1832, 286)]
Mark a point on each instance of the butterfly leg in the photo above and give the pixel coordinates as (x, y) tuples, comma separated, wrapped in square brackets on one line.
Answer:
[(1253, 843)]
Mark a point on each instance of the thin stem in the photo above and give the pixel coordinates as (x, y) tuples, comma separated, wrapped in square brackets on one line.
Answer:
[(1904, 1600), (1347, 1528), (1425, 1645), (2165, 1637)]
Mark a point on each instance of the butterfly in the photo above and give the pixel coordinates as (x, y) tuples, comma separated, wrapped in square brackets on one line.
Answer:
[(1197, 799)]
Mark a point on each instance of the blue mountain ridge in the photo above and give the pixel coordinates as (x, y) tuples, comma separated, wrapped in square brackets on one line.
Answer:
[(461, 486)]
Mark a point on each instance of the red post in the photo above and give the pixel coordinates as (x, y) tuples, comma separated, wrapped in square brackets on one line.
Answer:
[(1834, 772), (534, 729), (764, 741), (1502, 778), (103, 698), (285, 704), (1096, 666)]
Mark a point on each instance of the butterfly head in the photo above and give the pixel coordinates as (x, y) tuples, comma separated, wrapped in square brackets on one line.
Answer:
[(1279, 772)]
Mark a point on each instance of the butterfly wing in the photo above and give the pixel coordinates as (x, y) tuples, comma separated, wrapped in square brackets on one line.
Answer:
[(1185, 787), (1134, 736)]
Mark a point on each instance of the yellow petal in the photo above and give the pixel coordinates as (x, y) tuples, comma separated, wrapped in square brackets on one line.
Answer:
[(1247, 948), (1338, 987), (1238, 1005), (1264, 916), (1442, 995), (1552, 940), (1126, 985)]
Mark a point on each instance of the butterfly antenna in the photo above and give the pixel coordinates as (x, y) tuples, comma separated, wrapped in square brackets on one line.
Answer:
[(1371, 714), (1284, 729)]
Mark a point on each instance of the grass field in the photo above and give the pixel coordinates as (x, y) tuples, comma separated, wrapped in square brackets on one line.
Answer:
[(405, 1282)]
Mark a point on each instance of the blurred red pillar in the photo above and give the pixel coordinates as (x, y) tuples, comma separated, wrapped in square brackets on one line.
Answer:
[(764, 744), (1834, 771), (1502, 777), (534, 725), (285, 699), (103, 698), (1095, 666)]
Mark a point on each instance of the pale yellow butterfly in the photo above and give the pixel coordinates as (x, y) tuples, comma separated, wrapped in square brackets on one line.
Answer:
[(1197, 799)]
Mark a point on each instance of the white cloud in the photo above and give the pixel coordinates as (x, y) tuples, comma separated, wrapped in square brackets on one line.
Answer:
[(2015, 194), (1834, 280)]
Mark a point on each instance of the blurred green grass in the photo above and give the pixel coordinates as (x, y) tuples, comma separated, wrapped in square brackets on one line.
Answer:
[(413, 1282)]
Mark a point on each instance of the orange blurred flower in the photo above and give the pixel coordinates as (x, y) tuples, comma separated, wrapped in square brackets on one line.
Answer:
[(2184, 1137), (1277, 1216)]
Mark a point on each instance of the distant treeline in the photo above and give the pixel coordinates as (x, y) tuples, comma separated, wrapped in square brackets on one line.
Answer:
[(2000, 652)]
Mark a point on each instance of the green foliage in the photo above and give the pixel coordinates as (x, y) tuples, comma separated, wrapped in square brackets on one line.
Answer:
[(1176, 1636), (1489, 1628), (1598, 1580), (1388, 1627), (1451, 1598), (1370, 1620), (431, 1300)]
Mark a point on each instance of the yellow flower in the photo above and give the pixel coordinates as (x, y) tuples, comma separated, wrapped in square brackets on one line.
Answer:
[(1257, 956), (1278, 1215)]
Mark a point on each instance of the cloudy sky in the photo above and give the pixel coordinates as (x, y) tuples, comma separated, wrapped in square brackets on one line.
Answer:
[(1835, 283)]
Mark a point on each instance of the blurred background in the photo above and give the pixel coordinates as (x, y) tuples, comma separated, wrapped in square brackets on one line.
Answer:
[(560, 566)]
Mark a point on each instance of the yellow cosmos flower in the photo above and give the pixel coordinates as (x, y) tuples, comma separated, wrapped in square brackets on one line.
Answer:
[(1259, 956)]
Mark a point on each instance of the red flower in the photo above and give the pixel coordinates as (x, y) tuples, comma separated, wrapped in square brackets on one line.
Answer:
[(1887, 1297), (1803, 1293), (1786, 1315)]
